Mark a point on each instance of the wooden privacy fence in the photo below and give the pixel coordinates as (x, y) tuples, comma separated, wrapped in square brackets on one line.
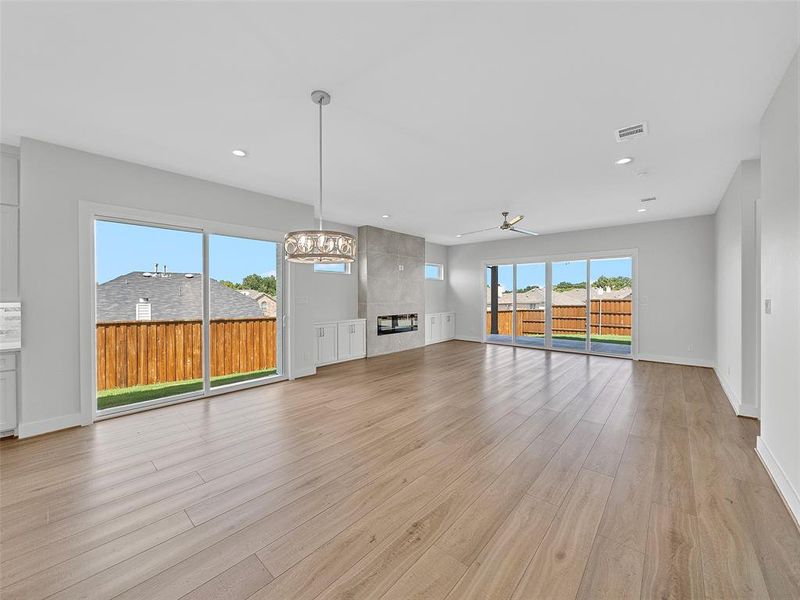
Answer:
[(133, 353), (609, 317)]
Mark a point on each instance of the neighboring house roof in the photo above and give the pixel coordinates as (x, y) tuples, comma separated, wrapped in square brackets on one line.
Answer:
[(534, 296), (176, 297), (567, 298)]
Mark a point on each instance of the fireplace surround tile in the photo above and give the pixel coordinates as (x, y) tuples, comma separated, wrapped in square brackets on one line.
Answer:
[(385, 289)]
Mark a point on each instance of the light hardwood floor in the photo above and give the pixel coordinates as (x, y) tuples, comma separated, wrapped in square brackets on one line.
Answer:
[(450, 472)]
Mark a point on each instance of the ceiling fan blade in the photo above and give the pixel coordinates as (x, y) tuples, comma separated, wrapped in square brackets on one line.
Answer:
[(516, 219), (477, 231), (523, 231)]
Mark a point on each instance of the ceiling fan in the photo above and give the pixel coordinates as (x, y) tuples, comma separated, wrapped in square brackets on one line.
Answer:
[(506, 225)]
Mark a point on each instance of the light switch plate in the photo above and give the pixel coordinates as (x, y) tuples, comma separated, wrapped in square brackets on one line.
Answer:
[(768, 306)]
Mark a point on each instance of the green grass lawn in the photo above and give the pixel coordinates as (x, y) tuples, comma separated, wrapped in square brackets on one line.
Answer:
[(611, 339), (141, 393)]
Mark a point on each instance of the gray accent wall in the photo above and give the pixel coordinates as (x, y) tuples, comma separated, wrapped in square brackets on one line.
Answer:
[(391, 280)]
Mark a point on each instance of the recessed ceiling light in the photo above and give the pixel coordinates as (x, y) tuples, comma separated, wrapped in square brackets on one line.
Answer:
[(623, 161), (458, 235), (385, 216), (641, 210), (239, 153)]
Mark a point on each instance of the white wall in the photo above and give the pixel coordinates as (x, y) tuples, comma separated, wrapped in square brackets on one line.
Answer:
[(779, 443), (436, 299), (736, 289), (54, 180), (675, 279), (336, 294)]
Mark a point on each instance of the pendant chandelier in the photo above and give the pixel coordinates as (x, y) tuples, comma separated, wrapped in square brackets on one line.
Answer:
[(320, 245)]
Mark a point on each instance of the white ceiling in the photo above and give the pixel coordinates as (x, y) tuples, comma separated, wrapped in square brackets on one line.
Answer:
[(443, 114)]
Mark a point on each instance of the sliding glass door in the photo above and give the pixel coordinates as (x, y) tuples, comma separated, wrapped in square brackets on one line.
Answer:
[(580, 304), (180, 312), (529, 308), (148, 312), (568, 313), (612, 305), (244, 309)]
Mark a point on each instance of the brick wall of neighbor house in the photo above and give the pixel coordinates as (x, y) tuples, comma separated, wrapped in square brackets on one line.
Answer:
[(384, 289)]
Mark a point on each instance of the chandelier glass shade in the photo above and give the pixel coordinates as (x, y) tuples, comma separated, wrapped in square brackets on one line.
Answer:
[(320, 245)]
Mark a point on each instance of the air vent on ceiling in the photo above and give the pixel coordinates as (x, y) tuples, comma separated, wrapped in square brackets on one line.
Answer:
[(627, 133), (650, 199)]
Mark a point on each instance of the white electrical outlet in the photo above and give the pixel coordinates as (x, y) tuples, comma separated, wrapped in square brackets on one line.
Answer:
[(689, 347), (400, 267)]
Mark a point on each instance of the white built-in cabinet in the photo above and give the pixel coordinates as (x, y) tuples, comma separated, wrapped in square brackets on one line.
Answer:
[(9, 281), (440, 327), (8, 392), (338, 341)]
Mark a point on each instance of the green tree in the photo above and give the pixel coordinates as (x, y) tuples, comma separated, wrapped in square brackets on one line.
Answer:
[(267, 284), (230, 284), (565, 286), (615, 283)]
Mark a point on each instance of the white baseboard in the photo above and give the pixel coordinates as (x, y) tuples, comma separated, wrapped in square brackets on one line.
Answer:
[(344, 360), (468, 338), (785, 488), (677, 360), (741, 409), (431, 343), (303, 372), (47, 425)]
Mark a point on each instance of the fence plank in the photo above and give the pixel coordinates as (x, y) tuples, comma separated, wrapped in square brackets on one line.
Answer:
[(609, 317), (146, 352)]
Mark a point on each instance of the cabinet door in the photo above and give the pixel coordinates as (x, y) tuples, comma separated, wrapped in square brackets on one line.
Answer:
[(344, 335), (326, 344), (8, 400), (436, 328), (449, 326), (358, 339)]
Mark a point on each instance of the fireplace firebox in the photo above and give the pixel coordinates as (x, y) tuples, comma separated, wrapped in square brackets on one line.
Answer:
[(397, 323)]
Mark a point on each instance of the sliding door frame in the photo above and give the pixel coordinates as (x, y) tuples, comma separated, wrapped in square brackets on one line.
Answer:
[(549, 259), (88, 213)]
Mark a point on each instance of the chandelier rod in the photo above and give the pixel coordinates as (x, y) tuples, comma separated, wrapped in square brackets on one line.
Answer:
[(320, 164)]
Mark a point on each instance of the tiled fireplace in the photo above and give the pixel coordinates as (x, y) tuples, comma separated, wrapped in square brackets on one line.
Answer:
[(391, 289)]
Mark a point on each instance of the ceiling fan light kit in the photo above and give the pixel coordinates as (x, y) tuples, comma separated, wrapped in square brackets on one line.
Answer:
[(320, 245)]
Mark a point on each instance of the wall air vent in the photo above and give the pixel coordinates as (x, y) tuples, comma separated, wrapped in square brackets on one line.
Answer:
[(628, 133), (650, 199)]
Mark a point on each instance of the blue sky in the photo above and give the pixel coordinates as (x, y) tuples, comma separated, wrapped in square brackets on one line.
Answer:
[(121, 248), (572, 271)]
